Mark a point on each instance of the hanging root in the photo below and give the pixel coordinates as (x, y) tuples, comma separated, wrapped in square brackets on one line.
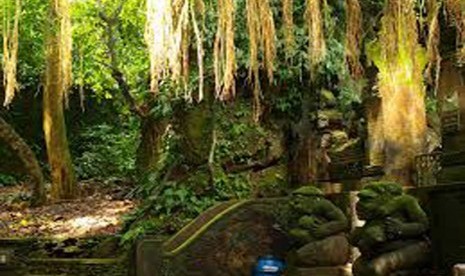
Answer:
[(158, 32), (10, 51), (316, 38), (224, 51), (288, 23), (199, 8), (432, 44), (353, 37), (262, 38), (170, 26)]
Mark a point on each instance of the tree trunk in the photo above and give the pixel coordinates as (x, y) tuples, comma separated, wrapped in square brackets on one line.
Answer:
[(303, 145), (302, 163), (404, 121), (148, 152), (27, 157), (59, 157), (375, 132), (195, 125)]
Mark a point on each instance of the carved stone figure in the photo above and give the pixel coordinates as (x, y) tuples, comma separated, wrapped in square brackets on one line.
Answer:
[(393, 237), (318, 229)]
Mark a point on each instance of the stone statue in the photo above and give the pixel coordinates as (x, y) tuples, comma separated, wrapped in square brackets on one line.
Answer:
[(393, 237), (318, 229)]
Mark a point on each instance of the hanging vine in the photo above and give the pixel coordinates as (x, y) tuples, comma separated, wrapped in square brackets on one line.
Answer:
[(10, 49), (198, 10), (158, 35), (353, 37), (169, 29), (316, 38), (288, 25), (224, 51), (432, 71), (262, 39)]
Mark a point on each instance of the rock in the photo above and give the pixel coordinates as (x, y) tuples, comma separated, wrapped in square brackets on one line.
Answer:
[(270, 182), (328, 99), (331, 251), (329, 118), (339, 138), (324, 271)]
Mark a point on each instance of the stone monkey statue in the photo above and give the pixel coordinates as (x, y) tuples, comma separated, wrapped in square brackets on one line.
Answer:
[(393, 237), (318, 229)]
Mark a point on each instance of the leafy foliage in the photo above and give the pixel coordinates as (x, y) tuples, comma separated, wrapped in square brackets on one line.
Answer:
[(7, 180), (92, 53), (106, 150), (172, 204)]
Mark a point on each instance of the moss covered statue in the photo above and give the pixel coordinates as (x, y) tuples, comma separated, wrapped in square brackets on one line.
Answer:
[(393, 237), (318, 229)]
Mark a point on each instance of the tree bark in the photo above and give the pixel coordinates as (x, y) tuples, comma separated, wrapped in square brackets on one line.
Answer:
[(195, 125), (404, 123), (302, 164), (59, 157), (19, 147), (376, 132), (303, 144), (148, 152)]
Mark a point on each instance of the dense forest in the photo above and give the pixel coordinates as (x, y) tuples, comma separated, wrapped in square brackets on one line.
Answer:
[(175, 105)]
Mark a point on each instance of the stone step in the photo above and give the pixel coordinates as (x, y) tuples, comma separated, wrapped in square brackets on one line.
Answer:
[(71, 267)]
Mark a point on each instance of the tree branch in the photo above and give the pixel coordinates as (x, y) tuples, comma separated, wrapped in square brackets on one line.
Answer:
[(116, 72), (255, 166)]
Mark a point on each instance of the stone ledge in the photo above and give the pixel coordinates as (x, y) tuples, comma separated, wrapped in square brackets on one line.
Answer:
[(325, 271), (76, 261)]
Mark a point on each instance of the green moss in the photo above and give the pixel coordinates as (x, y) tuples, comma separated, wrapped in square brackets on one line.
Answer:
[(195, 126), (327, 98), (270, 182)]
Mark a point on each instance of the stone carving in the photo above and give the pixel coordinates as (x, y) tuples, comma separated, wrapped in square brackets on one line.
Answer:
[(393, 237), (318, 229)]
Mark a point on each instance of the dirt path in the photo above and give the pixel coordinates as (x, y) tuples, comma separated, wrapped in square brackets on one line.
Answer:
[(98, 213)]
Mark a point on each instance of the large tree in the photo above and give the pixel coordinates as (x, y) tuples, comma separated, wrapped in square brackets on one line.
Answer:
[(57, 82), (407, 68), (400, 60)]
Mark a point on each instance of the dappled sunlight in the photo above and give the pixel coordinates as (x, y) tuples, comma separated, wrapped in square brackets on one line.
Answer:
[(400, 60), (93, 215)]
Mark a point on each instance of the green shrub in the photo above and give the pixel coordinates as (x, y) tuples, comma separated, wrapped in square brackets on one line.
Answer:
[(7, 180), (107, 150), (170, 205)]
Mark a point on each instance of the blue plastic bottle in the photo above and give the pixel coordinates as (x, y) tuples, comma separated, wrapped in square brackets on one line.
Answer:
[(269, 266)]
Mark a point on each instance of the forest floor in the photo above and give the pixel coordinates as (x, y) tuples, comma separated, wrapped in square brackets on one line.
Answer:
[(98, 211)]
